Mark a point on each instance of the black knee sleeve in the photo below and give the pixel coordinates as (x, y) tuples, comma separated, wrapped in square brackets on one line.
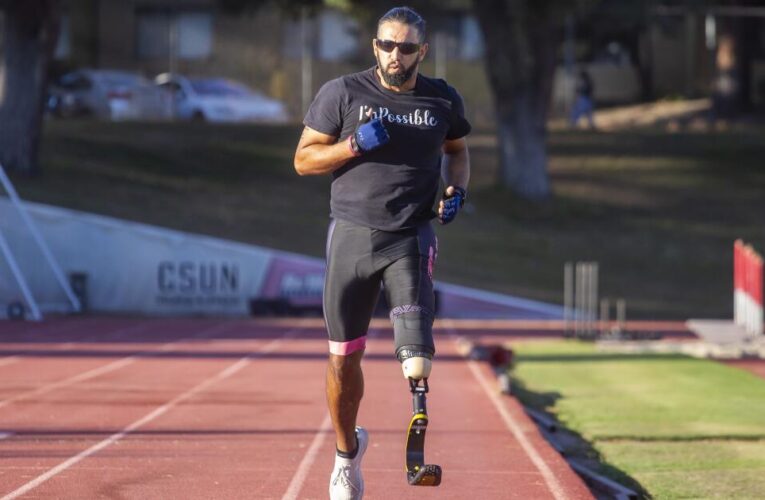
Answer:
[(413, 330)]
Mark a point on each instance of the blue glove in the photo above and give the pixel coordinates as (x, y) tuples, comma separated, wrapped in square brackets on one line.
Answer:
[(369, 135), (451, 204)]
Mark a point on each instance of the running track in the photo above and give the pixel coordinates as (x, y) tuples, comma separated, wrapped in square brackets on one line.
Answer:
[(100, 407)]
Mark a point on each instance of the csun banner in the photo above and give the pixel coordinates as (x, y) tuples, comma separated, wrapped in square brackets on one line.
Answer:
[(135, 268), (126, 267)]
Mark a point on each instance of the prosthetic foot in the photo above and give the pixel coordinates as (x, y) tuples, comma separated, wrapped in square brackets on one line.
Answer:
[(418, 473)]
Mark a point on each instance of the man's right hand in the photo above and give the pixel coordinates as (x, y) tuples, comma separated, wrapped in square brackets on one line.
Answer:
[(370, 134)]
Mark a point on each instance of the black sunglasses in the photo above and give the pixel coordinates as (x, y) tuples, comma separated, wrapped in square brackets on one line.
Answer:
[(405, 48)]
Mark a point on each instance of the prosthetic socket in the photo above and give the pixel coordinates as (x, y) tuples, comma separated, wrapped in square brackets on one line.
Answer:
[(415, 362)]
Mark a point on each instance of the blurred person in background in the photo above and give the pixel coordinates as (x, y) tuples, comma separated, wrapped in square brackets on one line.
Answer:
[(583, 104)]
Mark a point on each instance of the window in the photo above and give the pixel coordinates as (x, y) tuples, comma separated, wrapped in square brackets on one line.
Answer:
[(173, 89), (332, 36), (187, 35), (194, 35), (338, 36), (471, 39), (75, 81), (153, 35), (219, 87)]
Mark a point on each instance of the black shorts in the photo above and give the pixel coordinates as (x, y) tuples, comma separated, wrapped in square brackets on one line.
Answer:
[(359, 261)]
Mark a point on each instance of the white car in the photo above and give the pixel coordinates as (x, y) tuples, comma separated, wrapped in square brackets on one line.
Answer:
[(105, 94), (219, 100)]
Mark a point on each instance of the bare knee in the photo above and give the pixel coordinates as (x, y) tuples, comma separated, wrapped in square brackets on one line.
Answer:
[(341, 366)]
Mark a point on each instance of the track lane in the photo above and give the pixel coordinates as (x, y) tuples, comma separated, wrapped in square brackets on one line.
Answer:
[(18, 384), (44, 424), (466, 436), (243, 437), (260, 431), (130, 461)]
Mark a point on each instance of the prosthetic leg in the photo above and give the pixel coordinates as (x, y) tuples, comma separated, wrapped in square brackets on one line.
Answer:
[(416, 366)]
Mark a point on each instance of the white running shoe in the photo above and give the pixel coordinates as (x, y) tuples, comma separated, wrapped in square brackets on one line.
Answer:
[(346, 482)]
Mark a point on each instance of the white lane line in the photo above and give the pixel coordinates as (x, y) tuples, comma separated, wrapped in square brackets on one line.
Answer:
[(547, 474), (308, 459), (225, 373), (552, 482), (298, 479), (115, 365)]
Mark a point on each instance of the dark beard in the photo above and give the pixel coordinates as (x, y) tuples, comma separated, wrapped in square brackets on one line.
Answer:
[(399, 78)]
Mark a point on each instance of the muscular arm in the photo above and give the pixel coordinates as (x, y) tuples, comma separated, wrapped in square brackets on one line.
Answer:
[(319, 153), (455, 165)]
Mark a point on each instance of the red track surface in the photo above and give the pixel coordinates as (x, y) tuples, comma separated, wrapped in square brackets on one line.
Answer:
[(131, 408)]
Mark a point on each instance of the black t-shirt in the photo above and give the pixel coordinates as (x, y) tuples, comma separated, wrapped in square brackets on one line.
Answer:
[(395, 186)]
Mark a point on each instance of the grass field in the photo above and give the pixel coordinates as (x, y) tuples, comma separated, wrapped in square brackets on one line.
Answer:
[(659, 211), (678, 426)]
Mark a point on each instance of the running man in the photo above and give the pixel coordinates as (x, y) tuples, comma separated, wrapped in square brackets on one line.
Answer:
[(387, 135)]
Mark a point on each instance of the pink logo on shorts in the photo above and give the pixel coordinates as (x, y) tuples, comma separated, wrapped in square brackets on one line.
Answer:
[(431, 261)]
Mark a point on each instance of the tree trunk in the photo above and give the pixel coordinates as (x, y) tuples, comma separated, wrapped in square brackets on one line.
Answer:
[(747, 49), (30, 35), (523, 156), (521, 42)]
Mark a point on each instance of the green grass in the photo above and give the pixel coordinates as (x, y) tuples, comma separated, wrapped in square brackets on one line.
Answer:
[(230, 182), (659, 211), (678, 426)]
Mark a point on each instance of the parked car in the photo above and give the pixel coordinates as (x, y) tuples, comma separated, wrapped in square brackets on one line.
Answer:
[(219, 100), (106, 94)]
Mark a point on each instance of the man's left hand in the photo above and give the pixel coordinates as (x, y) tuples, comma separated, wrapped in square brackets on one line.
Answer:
[(452, 201)]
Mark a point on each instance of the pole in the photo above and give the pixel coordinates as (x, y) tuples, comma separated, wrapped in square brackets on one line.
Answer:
[(172, 43), (440, 43), (306, 60), (621, 314), (28, 297), (604, 313), (568, 59), (568, 296), (39, 240), (593, 297), (579, 299)]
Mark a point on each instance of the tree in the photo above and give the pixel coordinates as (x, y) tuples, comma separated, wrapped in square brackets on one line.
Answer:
[(522, 39), (30, 29), (521, 42), (520, 62)]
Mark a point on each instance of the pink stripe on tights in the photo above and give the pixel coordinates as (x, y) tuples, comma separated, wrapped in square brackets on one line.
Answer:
[(346, 348)]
